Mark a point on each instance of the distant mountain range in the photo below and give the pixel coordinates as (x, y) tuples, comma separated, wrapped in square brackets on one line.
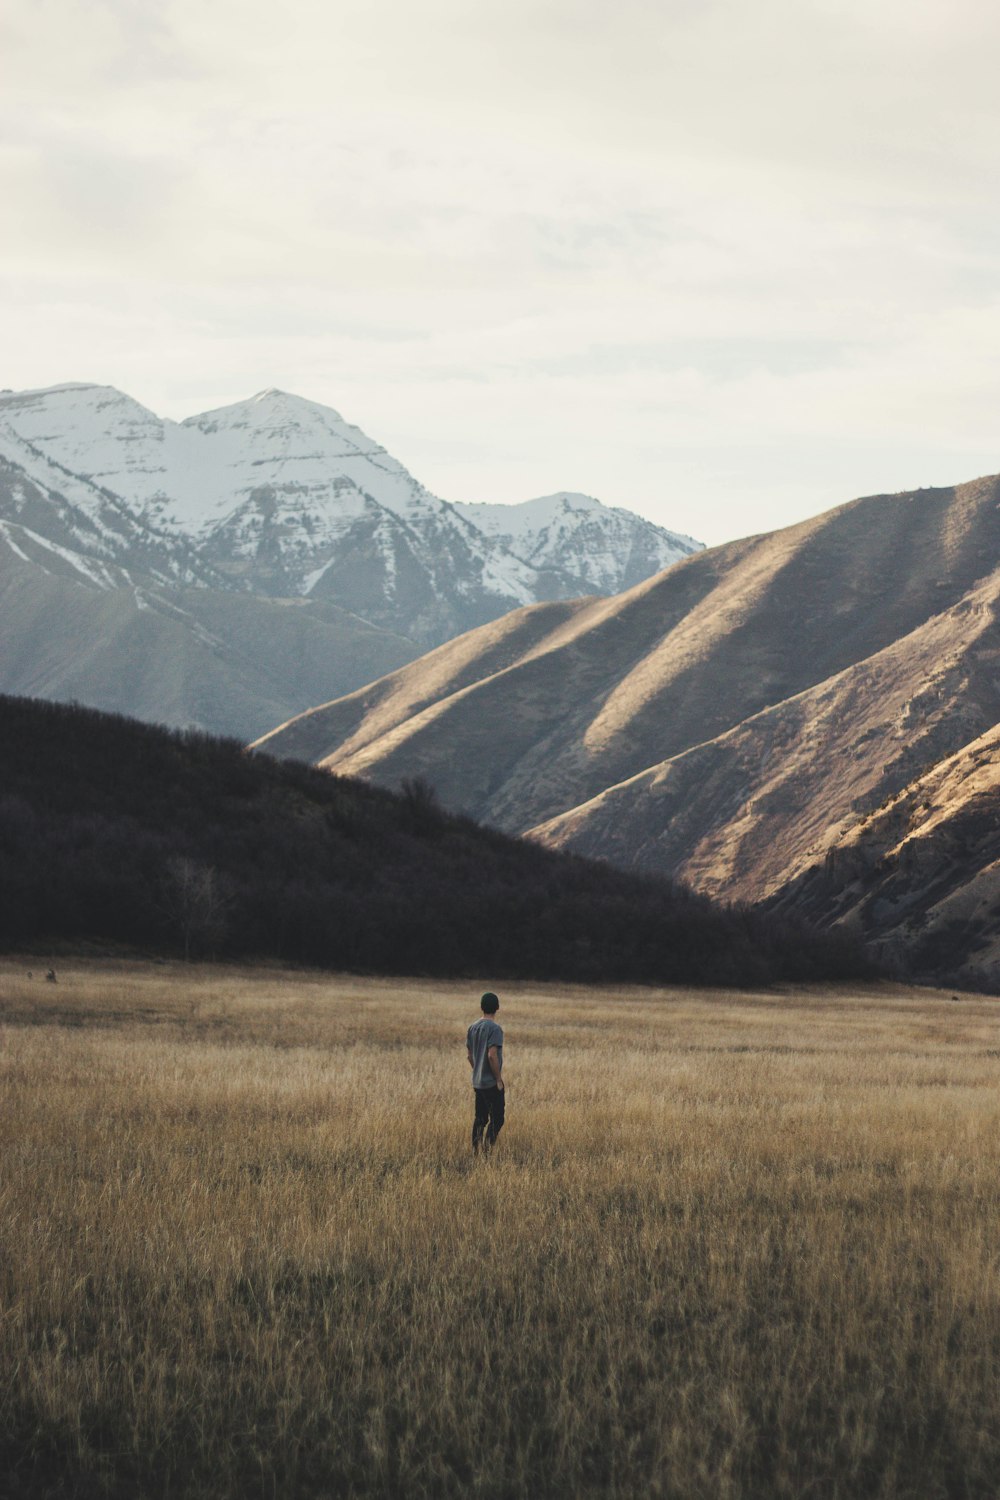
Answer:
[(806, 718), (146, 565)]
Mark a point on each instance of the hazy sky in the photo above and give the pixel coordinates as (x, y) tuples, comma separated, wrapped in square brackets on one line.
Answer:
[(724, 263)]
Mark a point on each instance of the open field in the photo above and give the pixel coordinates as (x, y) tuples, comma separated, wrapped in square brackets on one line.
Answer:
[(729, 1245)]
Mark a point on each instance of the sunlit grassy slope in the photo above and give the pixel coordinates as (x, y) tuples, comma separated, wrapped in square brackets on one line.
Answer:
[(727, 1246)]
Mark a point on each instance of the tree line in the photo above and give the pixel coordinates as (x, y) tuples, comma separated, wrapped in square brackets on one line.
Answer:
[(116, 832)]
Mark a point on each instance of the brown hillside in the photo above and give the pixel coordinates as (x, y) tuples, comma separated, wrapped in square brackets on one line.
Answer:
[(921, 874), (742, 814), (729, 721)]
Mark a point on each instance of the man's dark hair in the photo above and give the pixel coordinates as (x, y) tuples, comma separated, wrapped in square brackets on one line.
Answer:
[(489, 1004)]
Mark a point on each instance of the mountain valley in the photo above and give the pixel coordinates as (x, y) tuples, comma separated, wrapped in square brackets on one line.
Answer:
[(802, 720)]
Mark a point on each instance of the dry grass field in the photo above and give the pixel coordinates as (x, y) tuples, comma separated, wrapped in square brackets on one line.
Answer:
[(728, 1245)]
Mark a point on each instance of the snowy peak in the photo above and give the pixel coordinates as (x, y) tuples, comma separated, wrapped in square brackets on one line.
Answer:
[(566, 509), (605, 547), (279, 495), (296, 445), (76, 509), (273, 411), (93, 431)]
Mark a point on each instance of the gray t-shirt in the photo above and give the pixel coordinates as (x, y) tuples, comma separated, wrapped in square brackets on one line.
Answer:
[(482, 1036)]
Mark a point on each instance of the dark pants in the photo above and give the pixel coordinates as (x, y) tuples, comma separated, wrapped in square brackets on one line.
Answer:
[(489, 1117)]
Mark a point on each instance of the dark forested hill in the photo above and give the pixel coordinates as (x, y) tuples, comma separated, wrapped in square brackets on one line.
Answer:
[(117, 832)]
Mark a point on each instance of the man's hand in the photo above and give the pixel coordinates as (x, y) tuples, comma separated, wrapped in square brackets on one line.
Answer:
[(493, 1058)]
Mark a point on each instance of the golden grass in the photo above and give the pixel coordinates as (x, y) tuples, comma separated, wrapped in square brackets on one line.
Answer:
[(728, 1245)]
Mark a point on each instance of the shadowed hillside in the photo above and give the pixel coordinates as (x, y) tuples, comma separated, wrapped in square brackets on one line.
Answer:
[(75, 630), (114, 831)]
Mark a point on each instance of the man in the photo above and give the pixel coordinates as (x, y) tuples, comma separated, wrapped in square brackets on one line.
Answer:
[(485, 1048)]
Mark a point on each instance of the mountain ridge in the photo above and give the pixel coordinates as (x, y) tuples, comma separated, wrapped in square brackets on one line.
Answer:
[(271, 499), (727, 722), (279, 495)]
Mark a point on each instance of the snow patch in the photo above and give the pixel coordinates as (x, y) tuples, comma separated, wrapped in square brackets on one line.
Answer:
[(93, 571)]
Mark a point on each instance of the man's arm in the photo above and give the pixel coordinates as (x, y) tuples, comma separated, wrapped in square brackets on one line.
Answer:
[(493, 1058), (472, 1061)]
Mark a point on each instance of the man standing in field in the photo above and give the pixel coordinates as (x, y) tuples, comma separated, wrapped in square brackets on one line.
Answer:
[(485, 1047)]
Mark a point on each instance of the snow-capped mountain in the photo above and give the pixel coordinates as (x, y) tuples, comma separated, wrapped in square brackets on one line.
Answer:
[(606, 547), (76, 623), (281, 496), (74, 510), (149, 566)]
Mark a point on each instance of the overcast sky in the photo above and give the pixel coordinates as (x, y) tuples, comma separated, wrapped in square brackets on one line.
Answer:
[(724, 263)]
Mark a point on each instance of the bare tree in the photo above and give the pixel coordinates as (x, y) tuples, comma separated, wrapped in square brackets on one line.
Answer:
[(196, 901)]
